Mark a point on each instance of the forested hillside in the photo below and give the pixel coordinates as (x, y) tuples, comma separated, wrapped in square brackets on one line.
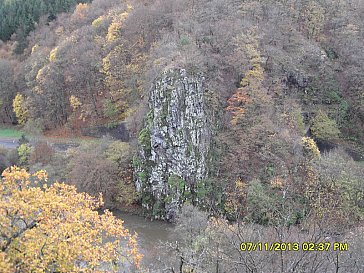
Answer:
[(251, 111), (20, 17)]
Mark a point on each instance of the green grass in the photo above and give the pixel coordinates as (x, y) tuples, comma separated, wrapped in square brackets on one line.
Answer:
[(10, 133)]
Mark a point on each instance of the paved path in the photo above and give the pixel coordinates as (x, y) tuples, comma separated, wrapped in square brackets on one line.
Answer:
[(9, 143), (12, 143)]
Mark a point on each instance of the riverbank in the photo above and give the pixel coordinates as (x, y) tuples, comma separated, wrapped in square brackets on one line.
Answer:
[(151, 235)]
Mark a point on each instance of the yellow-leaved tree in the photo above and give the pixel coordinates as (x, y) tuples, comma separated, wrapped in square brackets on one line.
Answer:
[(56, 229), (251, 85), (20, 108)]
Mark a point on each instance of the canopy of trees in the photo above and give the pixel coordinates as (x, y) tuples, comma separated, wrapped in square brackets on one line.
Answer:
[(96, 62), (56, 229), (280, 74), (22, 16)]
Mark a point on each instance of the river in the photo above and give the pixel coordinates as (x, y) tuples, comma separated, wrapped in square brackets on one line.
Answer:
[(150, 234)]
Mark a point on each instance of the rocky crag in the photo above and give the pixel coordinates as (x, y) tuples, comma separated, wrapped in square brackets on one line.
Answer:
[(175, 143)]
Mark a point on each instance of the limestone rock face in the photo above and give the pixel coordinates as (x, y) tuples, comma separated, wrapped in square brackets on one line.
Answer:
[(174, 143)]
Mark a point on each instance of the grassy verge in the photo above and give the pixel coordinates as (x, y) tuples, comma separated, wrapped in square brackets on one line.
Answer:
[(10, 133)]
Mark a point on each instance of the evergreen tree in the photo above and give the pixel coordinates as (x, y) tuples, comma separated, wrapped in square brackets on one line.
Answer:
[(20, 16)]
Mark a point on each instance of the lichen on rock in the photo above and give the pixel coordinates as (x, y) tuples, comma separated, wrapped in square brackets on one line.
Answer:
[(180, 136)]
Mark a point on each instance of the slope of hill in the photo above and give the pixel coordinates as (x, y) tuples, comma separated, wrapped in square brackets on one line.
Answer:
[(21, 17), (276, 75), (222, 105)]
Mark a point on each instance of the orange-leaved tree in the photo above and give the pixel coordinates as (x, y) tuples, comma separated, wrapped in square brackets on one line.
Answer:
[(251, 85), (56, 229)]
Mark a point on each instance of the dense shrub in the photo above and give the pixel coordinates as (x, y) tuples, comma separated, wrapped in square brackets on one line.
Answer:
[(24, 152), (324, 127), (42, 153), (94, 174), (4, 163), (120, 153)]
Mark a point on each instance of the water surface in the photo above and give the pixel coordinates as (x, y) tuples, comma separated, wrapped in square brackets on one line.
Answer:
[(150, 235)]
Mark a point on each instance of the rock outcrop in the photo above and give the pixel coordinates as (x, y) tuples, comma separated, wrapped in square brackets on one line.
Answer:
[(175, 143)]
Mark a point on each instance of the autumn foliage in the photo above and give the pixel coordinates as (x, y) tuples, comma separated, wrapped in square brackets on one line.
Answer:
[(56, 229), (251, 83)]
